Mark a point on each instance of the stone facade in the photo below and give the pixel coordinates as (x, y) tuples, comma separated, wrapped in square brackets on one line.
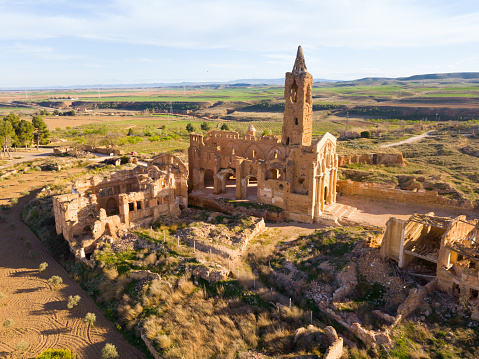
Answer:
[(108, 206), (451, 245), (289, 171)]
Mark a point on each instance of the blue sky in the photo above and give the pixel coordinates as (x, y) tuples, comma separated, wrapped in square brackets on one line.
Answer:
[(65, 43)]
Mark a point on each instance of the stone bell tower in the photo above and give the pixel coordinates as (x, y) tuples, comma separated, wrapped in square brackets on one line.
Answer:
[(298, 107)]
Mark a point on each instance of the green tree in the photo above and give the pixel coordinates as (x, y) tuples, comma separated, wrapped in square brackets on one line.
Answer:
[(56, 113), (366, 134), (25, 133), (7, 134), (41, 128), (225, 127), (205, 126), (13, 119), (189, 127)]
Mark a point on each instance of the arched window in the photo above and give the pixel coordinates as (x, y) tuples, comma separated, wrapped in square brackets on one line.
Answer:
[(232, 152), (254, 153), (275, 154)]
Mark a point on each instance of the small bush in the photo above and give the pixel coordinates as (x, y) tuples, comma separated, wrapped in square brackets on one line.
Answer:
[(22, 346), (24, 193), (42, 267), (55, 281), (90, 318), (14, 201), (2, 295), (32, 254), (8, 323), (73, 301), (109, 351), (55, 354), (366, 134)]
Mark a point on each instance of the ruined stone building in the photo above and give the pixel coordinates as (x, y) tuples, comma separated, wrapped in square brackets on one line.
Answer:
[(448, 245), (289, 171), (108, 206)]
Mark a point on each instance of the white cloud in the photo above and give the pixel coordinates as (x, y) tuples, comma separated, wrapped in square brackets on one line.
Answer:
[(262, 25)]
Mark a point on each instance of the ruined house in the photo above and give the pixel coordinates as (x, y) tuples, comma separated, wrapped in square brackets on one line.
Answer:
[(108, 206), (449, 245), (288, 171)]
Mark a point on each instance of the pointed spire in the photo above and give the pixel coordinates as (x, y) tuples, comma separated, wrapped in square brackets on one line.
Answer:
[(299, 64)]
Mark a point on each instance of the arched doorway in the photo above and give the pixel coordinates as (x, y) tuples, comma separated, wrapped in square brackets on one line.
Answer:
[(250, 188), (326, 194), (112, 207)]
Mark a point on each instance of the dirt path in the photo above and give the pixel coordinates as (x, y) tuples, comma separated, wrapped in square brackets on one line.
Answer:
[(377, 213), (39, 313), (409, 140)]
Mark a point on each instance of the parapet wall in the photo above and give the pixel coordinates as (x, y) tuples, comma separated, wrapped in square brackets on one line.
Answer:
[(380, 192)]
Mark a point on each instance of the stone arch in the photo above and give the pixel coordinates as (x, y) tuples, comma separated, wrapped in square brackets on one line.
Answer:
[(221, 180), (111, 207), (249, 153), (232, 149), (275, 150), (246, 182), (276, 171)]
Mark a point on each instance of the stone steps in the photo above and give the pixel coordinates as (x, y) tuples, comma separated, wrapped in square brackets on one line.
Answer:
[(338, 210)]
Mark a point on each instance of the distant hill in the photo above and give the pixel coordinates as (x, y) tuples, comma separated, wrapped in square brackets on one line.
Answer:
[(459, 77), (444, 76)]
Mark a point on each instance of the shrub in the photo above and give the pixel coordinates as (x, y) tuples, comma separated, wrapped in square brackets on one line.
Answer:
[(109, 351), (55, 354), (24, 193), (2, 295), (14, 201), (22, 346), (225, 127), (90, 318), (73, 301), (189, 127), (55, 281), (42, 267), (205, 126), (8, 323), (366, 134)]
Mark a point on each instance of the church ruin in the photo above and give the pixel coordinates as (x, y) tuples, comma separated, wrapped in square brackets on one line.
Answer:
[(289, 171), (129, 198)]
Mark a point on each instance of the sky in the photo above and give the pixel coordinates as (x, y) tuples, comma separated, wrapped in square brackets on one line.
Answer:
[(85, 42)]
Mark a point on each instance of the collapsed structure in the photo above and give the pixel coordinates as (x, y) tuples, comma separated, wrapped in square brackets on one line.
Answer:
[(108, 206), (449, 245), (288, 171)]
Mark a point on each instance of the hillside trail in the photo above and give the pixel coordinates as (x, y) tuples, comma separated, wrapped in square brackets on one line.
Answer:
[(409, 140), (39, 312)]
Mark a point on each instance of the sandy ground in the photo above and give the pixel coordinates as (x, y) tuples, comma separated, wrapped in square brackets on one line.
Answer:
[(39, 312)]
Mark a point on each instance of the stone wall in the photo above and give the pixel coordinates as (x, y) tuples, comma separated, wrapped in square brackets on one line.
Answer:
[(109, 206), (372, 159), (384, 193)]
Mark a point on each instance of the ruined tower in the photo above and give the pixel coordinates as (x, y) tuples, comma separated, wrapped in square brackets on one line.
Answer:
[(298, 107)]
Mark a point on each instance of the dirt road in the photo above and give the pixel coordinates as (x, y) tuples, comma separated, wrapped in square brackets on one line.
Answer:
[(39, 312), (409, 140)]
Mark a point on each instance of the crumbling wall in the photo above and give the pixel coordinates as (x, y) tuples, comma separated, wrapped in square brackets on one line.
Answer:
[(393, 236), (381, 192), (335, 348), (373, 159)]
